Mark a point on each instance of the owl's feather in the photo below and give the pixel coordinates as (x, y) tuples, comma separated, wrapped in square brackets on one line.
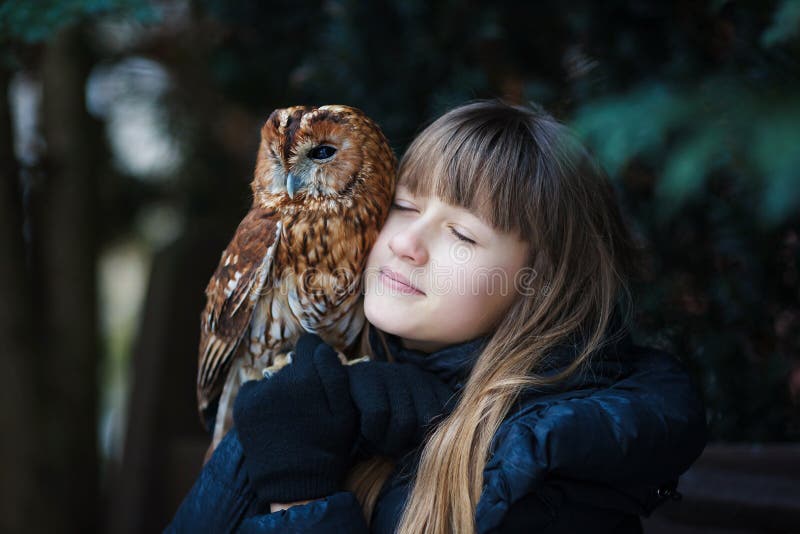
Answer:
[(231, 296)]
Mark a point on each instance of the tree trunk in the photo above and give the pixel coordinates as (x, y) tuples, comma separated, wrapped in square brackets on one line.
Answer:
[(64, 258), (18, 387)]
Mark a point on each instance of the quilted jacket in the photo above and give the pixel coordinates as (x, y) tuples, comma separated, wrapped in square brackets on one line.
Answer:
[(592, 454)]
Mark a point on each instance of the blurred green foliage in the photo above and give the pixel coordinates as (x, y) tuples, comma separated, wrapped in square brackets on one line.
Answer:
[(785, 26), (34, 22), (718, 124)]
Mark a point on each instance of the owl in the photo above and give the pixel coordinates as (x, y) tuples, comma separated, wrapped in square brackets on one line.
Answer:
[(322, 188)]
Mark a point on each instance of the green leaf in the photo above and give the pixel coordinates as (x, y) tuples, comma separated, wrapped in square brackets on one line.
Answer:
[(33, 22), (785, 24), (777, 159), (625, 126), (686, 170)]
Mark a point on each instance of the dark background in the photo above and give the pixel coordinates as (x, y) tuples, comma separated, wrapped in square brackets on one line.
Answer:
[(128, 134)]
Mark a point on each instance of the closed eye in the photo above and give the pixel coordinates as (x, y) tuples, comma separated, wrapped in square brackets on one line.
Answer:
[(461, 237), (397, 206)]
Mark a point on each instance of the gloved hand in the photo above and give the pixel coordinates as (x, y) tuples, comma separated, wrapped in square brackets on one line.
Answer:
[(298, 428), (396, 402)]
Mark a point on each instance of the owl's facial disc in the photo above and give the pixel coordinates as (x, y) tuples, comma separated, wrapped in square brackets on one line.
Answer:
[(313, 167), (302, 174)]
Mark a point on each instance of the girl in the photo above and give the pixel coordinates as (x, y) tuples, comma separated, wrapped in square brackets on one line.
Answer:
[(498, 287)]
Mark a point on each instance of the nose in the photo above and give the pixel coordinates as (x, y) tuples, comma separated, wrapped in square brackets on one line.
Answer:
[(409, 244)]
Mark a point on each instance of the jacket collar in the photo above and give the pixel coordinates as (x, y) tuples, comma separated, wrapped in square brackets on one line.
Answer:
[(454, 362)]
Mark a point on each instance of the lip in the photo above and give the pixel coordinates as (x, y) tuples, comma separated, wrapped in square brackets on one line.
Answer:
[(398, 282)]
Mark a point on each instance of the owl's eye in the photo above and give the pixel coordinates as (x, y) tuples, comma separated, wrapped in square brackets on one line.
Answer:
[(322, 152)]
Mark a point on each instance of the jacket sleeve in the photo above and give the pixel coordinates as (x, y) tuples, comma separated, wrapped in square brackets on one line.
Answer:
[(551, 509), (221, 501), (647, 428), (640, 433), (220, 496), (339, 513)]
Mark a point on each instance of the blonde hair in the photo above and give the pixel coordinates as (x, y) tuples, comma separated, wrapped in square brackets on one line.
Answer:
[(526, 173)]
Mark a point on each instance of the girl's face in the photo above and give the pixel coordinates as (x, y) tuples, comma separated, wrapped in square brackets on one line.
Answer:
[(438, 274)]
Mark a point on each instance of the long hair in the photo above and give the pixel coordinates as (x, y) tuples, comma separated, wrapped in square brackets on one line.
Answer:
[(526, 173)]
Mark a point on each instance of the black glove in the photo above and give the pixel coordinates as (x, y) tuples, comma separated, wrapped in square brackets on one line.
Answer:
[(397, 402), (298, 428)]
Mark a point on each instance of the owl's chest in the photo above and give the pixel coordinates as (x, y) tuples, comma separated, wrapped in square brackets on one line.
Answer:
[(316, 284), (324, 256)]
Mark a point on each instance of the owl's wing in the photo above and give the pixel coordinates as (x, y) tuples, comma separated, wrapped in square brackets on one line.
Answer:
[(231, 296)]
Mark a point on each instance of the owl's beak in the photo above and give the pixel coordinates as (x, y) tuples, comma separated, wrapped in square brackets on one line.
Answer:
[(293, 184)]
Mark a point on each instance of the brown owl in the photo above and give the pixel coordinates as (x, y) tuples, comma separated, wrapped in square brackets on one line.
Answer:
[(322, 189)]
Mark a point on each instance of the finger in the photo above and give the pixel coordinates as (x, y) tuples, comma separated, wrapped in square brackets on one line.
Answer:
[(300, 369), (403, 423), (334, 379), (370, 396), (247, 399), (308, 343), (303, 359)]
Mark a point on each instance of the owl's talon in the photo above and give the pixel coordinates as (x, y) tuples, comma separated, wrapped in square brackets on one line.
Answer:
[(279, 362)]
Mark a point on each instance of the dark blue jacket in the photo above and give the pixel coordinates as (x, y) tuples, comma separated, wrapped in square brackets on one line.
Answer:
[(589, 455)]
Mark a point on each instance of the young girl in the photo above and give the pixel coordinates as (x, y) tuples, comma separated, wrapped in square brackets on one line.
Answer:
[(504, 392)]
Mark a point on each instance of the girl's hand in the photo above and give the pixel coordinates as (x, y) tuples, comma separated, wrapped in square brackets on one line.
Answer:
[(278, 506), (396, 402), (298, 427)]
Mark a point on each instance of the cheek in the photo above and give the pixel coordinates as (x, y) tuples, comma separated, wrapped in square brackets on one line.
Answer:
[(372, 259), (480, 302), (377, 257), (378, 251)]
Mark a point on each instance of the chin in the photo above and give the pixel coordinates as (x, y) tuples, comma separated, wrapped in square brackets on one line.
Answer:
[(377, 315), (386, 318)]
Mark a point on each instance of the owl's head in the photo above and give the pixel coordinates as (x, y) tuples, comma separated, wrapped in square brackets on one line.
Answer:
[(320, 156)]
